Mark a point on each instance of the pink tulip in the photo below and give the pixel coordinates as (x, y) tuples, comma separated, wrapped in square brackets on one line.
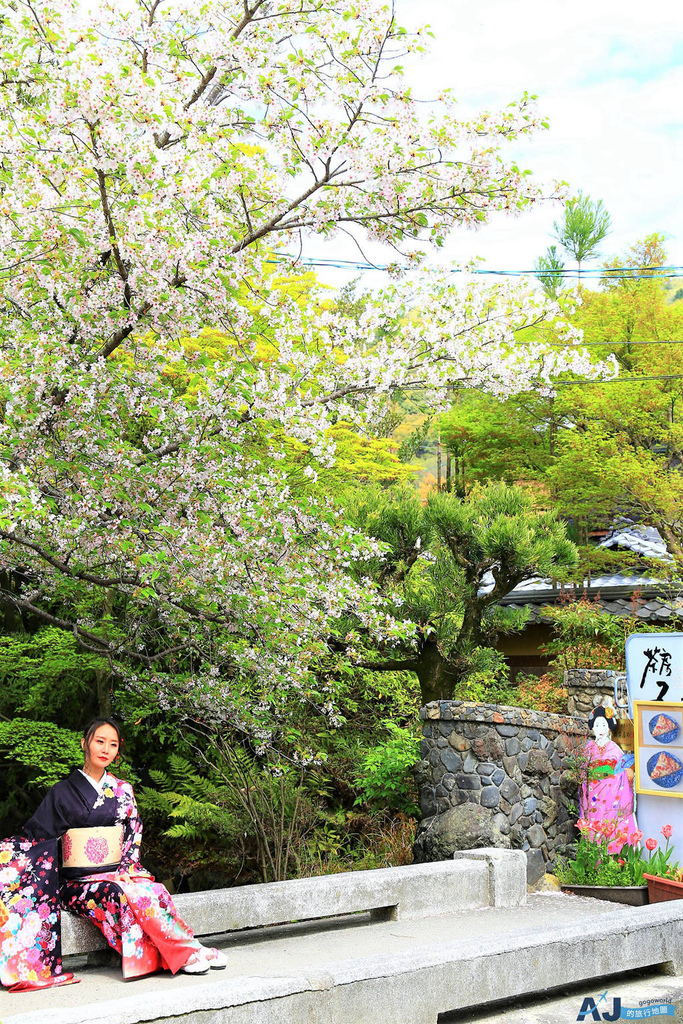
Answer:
[(637, 836), (667, 831), (651, 844)]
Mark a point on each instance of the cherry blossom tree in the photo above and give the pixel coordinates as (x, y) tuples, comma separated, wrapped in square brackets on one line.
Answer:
[(157, 157)]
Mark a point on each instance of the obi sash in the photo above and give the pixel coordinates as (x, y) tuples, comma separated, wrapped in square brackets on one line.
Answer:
[(87, 851)]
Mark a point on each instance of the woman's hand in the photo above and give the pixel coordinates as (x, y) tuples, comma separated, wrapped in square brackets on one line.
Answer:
[(127, 877)]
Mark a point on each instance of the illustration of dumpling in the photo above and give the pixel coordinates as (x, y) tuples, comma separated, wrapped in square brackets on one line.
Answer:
[(665, 770), (663, 728)]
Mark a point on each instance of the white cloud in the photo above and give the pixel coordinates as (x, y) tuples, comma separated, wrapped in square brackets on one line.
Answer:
[(608, 77)]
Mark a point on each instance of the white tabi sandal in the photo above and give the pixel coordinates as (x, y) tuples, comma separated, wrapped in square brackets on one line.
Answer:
[(197, 964), (216, 960)]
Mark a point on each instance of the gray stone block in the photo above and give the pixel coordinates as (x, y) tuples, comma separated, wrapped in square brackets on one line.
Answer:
[(512, 746), (536, 836), (468, 781), (501, 822), (510, 790), (490, 797), (535, 866), (470, 763), (458, 742), (498, 776), (451, 760), (530, 804), (427, 802), (465, 827), (486, 768), (507, 730)]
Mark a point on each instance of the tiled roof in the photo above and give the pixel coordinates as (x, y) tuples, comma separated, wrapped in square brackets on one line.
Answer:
[(644, 540), (618, 593), (652, 610)]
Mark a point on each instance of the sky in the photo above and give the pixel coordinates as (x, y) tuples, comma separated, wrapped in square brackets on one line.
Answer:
[(609, 78)]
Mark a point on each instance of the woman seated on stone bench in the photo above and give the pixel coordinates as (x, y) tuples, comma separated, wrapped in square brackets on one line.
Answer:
[(100, 878)]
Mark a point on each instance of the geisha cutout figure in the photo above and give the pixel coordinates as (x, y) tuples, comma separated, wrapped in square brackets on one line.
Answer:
[(606, 797)]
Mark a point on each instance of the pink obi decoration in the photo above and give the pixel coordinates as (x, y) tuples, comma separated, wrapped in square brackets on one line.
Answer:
[(84, 848)]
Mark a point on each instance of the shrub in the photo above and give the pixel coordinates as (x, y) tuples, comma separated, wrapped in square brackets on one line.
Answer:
[(385, 775)]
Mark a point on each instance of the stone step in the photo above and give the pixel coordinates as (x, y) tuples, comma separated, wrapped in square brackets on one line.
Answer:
[(644, 992), (411, 971)]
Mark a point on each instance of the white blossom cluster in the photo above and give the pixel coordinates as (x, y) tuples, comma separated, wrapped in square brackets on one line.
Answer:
[(151, 160)]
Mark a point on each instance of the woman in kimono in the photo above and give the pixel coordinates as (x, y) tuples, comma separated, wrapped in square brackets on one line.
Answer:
[(101, 879), (606, 797)]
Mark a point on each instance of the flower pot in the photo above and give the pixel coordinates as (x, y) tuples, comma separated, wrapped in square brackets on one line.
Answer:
[(631, 895), (661, 889)]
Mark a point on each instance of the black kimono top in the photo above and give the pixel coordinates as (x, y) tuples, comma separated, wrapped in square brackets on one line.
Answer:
[(75, 803)]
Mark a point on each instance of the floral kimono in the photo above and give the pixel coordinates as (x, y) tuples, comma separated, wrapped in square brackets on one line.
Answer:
[(135, 914), (30, 947), (606, 799)]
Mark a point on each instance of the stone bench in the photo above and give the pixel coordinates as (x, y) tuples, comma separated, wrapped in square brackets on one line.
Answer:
[(477, 878), (439, 937)]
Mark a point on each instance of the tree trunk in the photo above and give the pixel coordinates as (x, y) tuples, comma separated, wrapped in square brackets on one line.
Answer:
[(103, 674), (437, 676)]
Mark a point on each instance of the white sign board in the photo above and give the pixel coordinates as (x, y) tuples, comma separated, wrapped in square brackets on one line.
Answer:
[(654, 667), (654, 672)]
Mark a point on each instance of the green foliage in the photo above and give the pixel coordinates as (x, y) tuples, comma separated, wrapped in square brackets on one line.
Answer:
[(33, 756), (587, 636), (195, 804), (496, 529), (593, 865), (385, 774), (486, 678), (411, 444), (585, 225), (499, 439), (48, 751), (45, 674), (549, 272)]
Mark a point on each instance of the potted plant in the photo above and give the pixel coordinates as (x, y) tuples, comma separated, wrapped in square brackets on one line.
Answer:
[(664, 878), (594, 871)]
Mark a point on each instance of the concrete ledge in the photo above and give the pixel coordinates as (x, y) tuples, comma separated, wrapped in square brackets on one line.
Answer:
[(468, 964), (413, 891), (507, 874)]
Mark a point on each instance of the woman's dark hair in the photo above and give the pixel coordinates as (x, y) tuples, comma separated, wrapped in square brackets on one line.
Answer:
[(94, 724), (601, 712)]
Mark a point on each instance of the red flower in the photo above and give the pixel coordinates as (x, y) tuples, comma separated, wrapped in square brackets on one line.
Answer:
[(651, 844), (667, 831), (621, 861), (636, 837)]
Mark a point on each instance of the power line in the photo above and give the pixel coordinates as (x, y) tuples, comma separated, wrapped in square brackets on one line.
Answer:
[(618, 380), (592, 273), (614, 344)]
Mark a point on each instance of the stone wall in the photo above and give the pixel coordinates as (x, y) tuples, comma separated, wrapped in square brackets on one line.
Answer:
[(587, 687), (495, 776)]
